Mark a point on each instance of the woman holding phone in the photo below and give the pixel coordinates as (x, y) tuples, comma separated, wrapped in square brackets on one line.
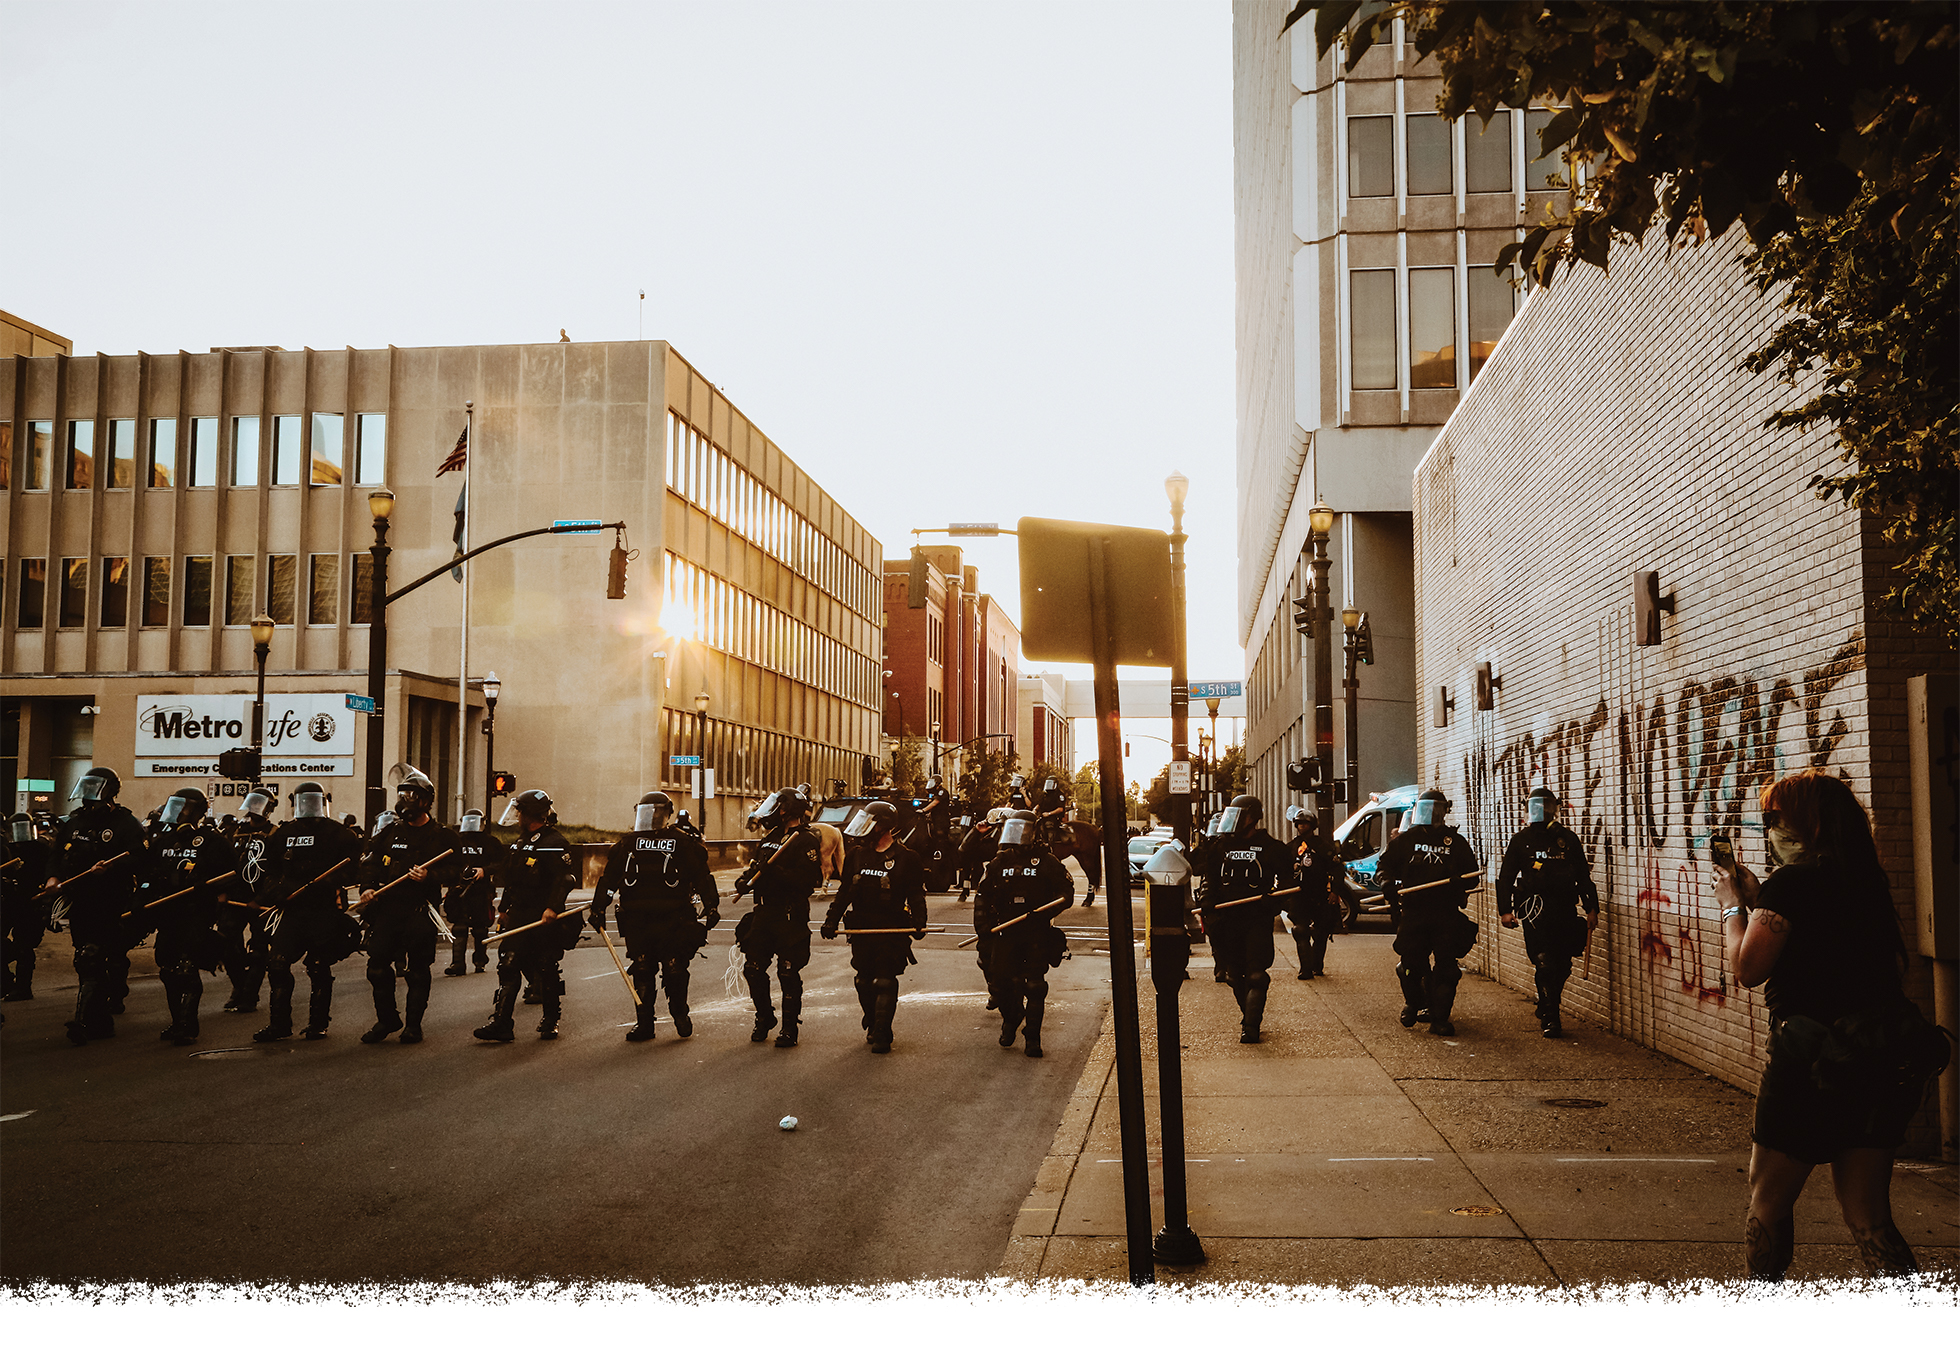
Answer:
[(1821, 936)]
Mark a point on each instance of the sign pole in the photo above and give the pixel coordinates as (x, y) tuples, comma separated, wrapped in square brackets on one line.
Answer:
[(463, 654)]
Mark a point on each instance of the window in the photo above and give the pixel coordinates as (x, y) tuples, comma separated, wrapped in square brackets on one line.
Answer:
[(204, 452), (163, 452), (197, 591), (327, 448), (244, 451), (32, 602), (282, 579), (285, 450), (323, 589), (81, 455), (122, 455), (74, 591), (1492, 302), (115, 591), (1432, 327), (1430, 172), (371, 460), (156, 591), (40, 448), (1487, 153), (1539, 174), (1371, 302), (238, 591), (363, 588), (1371, 156)]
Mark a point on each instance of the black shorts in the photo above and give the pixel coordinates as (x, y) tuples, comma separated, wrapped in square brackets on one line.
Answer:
[(1797, 1118)]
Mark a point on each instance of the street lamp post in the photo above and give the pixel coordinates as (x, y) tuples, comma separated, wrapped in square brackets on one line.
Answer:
[(1214, 803), (701, 702), (493, 687), (1322, 519), (1351, 686), (1178, 486), (381, 504), (262, 629), (935, 747)]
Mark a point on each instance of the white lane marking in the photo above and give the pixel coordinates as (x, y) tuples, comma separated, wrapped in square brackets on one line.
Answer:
[(1385, 1159), (16, 1116), (1159, 1161), (1633, 1159), (595, 976)]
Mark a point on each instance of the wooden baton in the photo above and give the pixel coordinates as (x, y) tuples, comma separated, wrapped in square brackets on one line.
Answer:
[(220, 878), (1060, 901), (404, 878), (1438, 883), (99, 864), (11, 863), (277, 906), (546, 920), (631, 989)]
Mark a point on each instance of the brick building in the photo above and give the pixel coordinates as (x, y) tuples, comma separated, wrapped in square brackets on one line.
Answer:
[(952, 666), (1613, 431)]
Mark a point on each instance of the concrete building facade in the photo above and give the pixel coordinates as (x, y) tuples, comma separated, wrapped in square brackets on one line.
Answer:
[(173, 497), (1045, 732), (1601, 441), (1366, 229), (952, 666), (18, 336)]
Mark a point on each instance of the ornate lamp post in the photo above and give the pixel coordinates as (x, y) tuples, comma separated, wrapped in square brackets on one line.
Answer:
[(1351, 685), (493, 687), (1322, 519), (381, 504), (262, 629)]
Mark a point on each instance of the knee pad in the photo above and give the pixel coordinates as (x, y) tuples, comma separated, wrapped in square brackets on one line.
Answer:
[(382, 974), (1257, 981), (319, 969), (417, 978), (637, 968), (752, 968), (885, 986), (183, 968), (90, 961), (278, 966), (792, 981)]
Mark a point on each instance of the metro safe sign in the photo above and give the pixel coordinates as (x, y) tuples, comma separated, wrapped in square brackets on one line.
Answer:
[(308, 733)]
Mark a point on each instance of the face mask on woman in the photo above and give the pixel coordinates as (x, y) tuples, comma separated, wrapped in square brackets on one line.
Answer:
[(1787, 846)]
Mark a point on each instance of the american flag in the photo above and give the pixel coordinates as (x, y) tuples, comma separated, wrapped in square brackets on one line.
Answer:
[(458, 455)]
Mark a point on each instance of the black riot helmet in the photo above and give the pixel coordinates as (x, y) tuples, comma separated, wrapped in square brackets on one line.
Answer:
[(415, 794), (1429, 808), (1017, 827), (310, 800), (184, 808), (1541, 805), (654, 811), (21, 828), (471, 821), (1301, 818), (784, 808), (97, 785), (1050, 784), (1244, 813), (532, 804), (932, 782), (873, 822), (258, 803)]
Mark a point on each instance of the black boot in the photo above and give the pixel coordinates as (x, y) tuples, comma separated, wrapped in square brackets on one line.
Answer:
[(173, 999), (867, 1001), (387, 1019), (319, 1009), (280, 1025), (884, 1006), (643, 1017), (500, 1028), (765, 1013), (792, 1016), (676, 978), (1011, 1016), (418, 1003), (1254, 1004), (548, 1024), (1031, 1027), (455, 968), (192, 995), (20, 986)]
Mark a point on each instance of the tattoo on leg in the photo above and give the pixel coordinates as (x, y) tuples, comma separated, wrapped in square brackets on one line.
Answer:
[(1769, 1248), (1884, 1250)]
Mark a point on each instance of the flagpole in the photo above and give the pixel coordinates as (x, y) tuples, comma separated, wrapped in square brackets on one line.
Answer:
[(463, 676)]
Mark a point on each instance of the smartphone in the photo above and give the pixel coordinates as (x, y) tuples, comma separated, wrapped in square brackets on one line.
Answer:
[(1722, 853)]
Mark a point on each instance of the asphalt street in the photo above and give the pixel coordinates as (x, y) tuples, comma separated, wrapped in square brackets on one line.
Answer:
[(588, 1157)]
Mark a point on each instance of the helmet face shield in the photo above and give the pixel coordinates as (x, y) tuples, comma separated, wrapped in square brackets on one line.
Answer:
[(861, 826), (173, 811), (472, 822), (1234, 820), (22, 829), (769, 812), (258, 803), (646, 817), (1016, 832), (509, 818), (309, 804), (383, 820), (1422, 813), (90, 789), (1538, 809)]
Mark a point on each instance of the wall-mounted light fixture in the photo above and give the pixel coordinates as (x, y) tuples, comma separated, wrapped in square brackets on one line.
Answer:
[(1487, 688), (1441, 703), (1648, 605)]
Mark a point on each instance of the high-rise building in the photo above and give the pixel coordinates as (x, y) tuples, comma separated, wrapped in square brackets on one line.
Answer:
[(952, 665), (1366, 231)]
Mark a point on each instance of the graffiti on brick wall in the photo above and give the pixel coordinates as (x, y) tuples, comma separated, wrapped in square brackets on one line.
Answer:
[(1655, 780)]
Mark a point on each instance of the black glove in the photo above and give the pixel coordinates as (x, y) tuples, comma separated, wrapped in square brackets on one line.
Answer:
[(918, 934), (828, 931), (595, 916), (710, 918)]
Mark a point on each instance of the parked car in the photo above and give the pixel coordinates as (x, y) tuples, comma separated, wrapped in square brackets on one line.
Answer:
[(1142, 847), (1361, 839)]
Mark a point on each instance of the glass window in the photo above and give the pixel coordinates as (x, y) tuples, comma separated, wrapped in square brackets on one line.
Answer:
[(163, 452), (1539, 173), (1430, 171), (122, 455), (1487, 153), (40, 448), (1371, 302), (1432, 327), (371, 461), (244, 451), (204, 452), (74, 591), (282, 579), (323, 589), (1492, 303), (197, 591), (285, 450), (327, 448), (1371, 156), (81, 455), (115, 591), (238, 591), (32, 602), (156, 591), (363, 588)]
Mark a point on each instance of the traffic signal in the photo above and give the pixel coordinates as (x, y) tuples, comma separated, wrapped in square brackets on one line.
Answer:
[(239, 764), (1303, 616), (502, 783), (1364, 642), (616, 574), (1303, 775)]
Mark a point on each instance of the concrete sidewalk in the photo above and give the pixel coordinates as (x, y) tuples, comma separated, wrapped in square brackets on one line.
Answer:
[(1345, 1149)]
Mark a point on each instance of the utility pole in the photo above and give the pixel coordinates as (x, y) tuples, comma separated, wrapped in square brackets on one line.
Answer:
[(1322, 519)]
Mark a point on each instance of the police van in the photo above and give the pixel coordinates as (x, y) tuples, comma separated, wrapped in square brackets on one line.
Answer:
[(1361, 839)]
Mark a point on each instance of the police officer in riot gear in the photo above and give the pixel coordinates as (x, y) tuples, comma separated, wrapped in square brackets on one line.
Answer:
[(1315, 909), (1429, 924), (308, 865), (470, 905), (401, 931), (23, 905), (976, 848), (1244, 861), (787, 868), (241, 934), (1017, 881), (883, 889), (93, 900), (1543, 881), (188, 856), (1017, 792), (539, 874), (657, 873)]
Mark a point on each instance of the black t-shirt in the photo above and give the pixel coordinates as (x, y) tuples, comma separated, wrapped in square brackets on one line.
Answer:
[(1841, 950)]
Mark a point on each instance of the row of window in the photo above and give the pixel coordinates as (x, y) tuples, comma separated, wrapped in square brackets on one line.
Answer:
[(704, 607), (1376, 358), (700, 473), (747, 760), (239, 594), (311, 449), (1429, 158)]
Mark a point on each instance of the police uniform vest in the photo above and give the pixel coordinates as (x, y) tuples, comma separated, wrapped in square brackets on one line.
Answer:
[(300, 852), (788, 866), (398, 848), (538, 873), (186, 857)]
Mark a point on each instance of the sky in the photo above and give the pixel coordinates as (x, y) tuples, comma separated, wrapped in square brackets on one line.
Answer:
[(961, 262)]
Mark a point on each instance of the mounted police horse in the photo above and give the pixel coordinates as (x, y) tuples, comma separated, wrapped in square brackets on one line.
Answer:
[(1084, 842)]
